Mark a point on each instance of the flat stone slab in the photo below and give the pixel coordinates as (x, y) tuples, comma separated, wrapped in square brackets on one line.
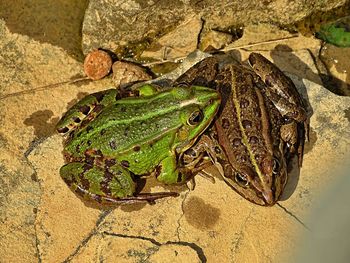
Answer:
[(42, 220)]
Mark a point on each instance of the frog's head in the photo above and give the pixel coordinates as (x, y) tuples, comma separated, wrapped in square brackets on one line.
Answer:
[(261, 182), (199, 106)]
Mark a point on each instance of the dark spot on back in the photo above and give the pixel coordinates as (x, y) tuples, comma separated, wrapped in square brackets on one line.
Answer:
[(136, 148), (99, 96), (125, 163), (76, 119), (88, 128), (244, 103), (62, 129), (243, 158), (85, 109), (86, 167), (104, 185), (103, 131), (247, 124), (225, 123), (236, 142), (253, 140), (220, 77), (110, 162), (89, 160)]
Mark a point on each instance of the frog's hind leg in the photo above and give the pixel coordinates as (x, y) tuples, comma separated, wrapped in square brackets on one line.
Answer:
[(86, 110), (108, 185)]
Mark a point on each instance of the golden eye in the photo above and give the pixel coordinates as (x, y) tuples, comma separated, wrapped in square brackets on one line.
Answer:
[(195, 118), (241, 180)]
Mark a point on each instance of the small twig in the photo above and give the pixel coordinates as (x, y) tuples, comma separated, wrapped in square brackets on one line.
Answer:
[(46, 87), (223, 49), (259, 43)]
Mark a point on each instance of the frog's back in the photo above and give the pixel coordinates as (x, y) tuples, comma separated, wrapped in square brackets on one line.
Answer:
[(128, 124)]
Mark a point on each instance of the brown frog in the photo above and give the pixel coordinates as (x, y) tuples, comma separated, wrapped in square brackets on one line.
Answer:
[(261, 124)]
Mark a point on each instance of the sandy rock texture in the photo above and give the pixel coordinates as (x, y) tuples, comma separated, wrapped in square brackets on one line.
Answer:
[(43, 221), (129, 27)]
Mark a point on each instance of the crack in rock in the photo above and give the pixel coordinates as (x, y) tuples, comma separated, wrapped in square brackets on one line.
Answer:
[(33, 145), (194, 246), (94, 231), (294, 216), (183, 213)]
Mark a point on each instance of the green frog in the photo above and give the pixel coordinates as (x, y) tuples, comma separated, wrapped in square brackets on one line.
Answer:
[(113, 137), (261, 124)]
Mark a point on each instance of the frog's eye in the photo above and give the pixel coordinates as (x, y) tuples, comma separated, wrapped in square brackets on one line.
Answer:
[(195, 118), (276, 166), (241, 180), (287, 120)]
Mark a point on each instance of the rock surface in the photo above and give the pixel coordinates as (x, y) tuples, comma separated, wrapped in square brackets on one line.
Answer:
[(43, 221), (129, 27)]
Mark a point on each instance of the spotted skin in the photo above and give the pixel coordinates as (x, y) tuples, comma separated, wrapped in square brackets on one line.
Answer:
[(118, 139), (258, 128)]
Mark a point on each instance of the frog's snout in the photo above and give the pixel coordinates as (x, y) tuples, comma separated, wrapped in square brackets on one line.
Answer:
[(268, 197)]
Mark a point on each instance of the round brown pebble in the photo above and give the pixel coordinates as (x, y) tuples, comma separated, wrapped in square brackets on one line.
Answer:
[(97, 64), (125, 72)]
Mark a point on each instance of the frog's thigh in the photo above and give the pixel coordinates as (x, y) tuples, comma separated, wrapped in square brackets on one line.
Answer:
[(168, 172), (93, 182)]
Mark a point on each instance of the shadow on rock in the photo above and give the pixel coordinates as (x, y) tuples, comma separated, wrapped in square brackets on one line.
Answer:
[(43, 123)]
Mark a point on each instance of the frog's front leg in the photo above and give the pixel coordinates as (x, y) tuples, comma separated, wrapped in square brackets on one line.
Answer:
[(113, 184), (179, 170), (167, 171)]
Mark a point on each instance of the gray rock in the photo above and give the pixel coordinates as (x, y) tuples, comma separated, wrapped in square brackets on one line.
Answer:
[(130, 27)]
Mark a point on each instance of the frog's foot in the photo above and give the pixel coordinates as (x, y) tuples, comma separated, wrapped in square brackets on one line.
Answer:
[(289, 134), (294, 134)]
